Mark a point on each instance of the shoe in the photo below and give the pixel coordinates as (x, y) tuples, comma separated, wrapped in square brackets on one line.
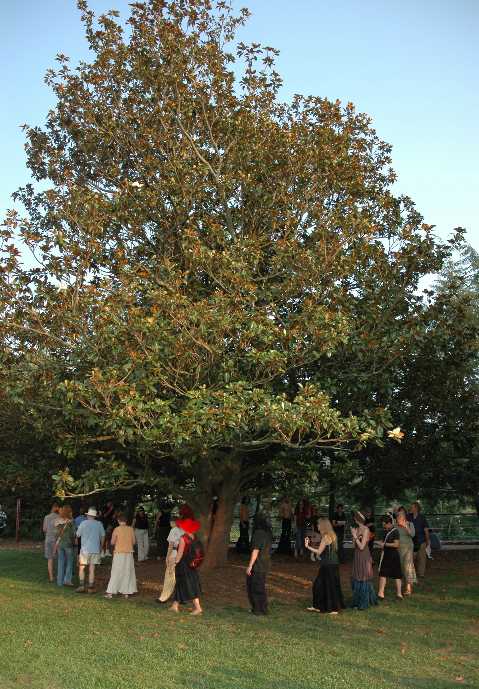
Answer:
[(69, 585), (108, 595), (91, 589), (80, 589), (380, 597), (313, 609), (400, 597)]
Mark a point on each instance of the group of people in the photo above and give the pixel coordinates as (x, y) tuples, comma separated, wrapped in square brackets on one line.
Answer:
[(406, 534), (91, 535)]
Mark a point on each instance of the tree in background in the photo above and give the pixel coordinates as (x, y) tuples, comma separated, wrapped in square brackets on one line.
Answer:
[(219, 275)]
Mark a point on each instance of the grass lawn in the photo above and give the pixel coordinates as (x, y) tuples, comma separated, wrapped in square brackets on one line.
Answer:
[(56, 639)]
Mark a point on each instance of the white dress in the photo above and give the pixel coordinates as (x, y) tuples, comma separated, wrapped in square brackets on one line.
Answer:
[(122, 576)]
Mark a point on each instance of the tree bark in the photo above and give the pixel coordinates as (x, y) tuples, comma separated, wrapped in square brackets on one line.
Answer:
[(218, 525)]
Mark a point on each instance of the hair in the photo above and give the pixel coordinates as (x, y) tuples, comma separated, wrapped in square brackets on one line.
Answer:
[(340, 504), (186, 512), (417, 505), (387, 519), (359, 517), (261, 522), (66, 512), (54, 504), (121, 517), (326, 529)]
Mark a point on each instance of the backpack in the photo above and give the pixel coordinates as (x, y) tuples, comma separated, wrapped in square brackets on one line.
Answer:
[(194, 552)]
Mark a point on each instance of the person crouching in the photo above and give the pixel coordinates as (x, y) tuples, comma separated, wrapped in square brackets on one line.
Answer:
[(122, 576)]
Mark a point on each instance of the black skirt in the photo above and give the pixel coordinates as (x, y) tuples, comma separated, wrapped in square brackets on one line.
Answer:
[(188, 585), (391, 564), (327, 594)]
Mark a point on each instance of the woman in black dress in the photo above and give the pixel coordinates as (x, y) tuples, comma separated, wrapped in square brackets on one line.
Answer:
[(327, 594), (188, 586), (390, 562)]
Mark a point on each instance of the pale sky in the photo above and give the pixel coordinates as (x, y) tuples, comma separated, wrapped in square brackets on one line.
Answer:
[(412, 65)]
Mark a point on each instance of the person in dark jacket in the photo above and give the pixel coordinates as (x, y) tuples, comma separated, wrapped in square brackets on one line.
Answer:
[(259, 565)]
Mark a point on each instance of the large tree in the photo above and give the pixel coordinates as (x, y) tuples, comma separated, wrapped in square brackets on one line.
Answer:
[(203, 252)]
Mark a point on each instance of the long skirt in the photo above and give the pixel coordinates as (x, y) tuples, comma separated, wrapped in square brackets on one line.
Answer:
[(169, 581), (188, 584), (363, 594), (406, 553), (122, 575), (327, 594), (257, 596)]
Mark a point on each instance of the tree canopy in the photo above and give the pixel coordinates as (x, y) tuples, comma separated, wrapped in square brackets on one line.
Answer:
[(217, 274)]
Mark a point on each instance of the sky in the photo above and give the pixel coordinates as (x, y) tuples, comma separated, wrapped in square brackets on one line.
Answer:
[(412, 65)]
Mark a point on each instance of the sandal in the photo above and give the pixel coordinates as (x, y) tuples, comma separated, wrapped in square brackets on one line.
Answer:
[(313, 609)]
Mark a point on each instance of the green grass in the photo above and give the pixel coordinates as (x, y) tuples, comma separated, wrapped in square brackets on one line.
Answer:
[(55, 639)]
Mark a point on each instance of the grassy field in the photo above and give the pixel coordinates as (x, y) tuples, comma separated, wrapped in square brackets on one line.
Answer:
[(56, 639)]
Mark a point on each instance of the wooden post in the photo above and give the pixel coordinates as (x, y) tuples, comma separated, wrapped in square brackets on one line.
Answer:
[(17, 523)]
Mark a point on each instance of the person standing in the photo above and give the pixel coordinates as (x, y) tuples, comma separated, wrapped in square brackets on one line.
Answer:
[(242, 545), (64, 546), (140, 524), (3, 520), (173, 539), (188, 585), (122, 576), (259, 565), (327, 594), (285, 513), (109, 523), (362, 573), (50, 531), (390, 562), (339, 524), (162, 529), (421, 537), (92, 535), (370, 522), (77, 521), (406, 549), (302, 514)]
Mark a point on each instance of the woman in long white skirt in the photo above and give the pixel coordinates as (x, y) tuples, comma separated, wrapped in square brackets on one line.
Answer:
[(122, 575)]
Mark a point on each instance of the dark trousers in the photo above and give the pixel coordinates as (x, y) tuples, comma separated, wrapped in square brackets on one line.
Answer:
[(256, 588)]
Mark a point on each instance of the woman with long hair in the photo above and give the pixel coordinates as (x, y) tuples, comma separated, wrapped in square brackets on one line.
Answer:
[(390, 563), (327, 594), (362, 574)]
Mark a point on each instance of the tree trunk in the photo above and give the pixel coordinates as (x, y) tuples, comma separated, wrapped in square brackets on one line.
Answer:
[(219, 524)]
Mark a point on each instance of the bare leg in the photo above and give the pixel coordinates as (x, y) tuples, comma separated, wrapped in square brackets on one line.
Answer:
[(50, 569), (198, 610), (91, 575), (382, 586), (81, 577), (399, 588), (175, 607)]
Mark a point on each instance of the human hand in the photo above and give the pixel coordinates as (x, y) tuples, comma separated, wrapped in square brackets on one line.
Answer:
[(248, 571)]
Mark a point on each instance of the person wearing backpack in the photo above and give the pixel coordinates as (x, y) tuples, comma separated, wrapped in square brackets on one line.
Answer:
[(188, 559)]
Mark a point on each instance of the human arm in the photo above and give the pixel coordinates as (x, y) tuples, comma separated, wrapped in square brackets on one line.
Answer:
[(360, 537), (324, 542), (181, 550), (254, 556)]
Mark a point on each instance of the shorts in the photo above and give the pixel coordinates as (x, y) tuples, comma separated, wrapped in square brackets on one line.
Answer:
[(89, 559), (49, 550)]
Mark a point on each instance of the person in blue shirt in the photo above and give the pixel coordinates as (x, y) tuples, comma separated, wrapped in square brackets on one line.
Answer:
[(92, 535)]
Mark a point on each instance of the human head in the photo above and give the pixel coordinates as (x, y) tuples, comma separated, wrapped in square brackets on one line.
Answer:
[(66, 512), (261, 522), (92, 513), (416, 507), (359, 518), (339, 507), (387, 521), (186, 512), (325, 528), (55, 507), (140, 510), (121, 517)]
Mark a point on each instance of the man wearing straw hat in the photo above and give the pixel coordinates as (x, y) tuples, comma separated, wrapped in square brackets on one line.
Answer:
[(92, 535)]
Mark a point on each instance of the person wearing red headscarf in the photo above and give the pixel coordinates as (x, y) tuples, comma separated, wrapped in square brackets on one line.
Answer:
[(188, 585)]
